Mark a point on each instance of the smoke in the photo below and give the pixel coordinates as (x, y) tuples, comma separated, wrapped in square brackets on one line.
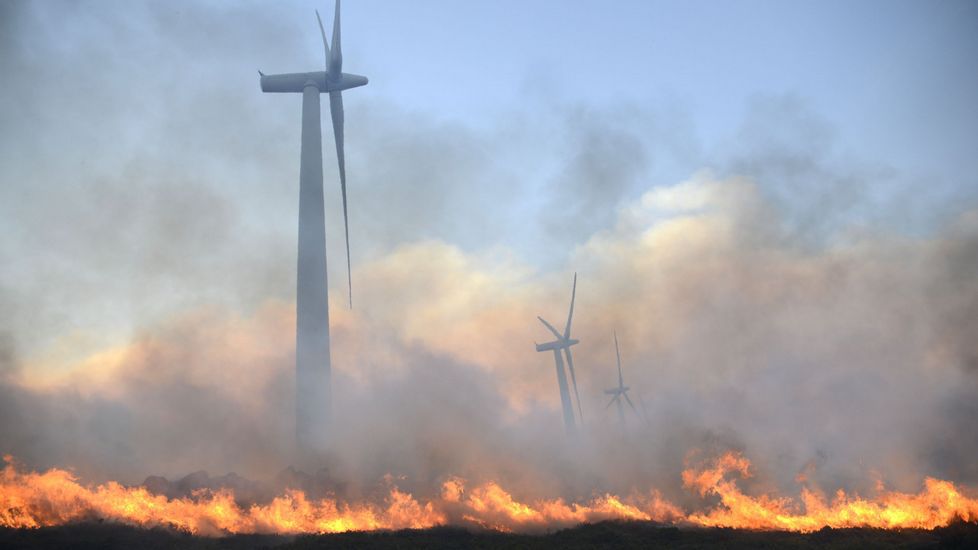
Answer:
[(848, 356), (604, 157), (146, 279)]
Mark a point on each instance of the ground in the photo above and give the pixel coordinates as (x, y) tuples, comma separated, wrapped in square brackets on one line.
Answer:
[(609, 534)]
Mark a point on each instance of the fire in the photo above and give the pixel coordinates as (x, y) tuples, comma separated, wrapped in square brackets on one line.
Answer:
[(55, 497), (30, 499), (937, 505), (491, 506)]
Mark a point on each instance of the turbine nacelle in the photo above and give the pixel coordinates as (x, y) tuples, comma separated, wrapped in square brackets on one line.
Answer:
[(295, 83), (557, 344)]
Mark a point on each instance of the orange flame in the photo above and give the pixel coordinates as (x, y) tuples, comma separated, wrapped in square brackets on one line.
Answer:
[(937, 505), (55, 497), (489, 505)]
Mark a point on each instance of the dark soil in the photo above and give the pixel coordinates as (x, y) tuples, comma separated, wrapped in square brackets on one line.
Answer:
[(609, 534)]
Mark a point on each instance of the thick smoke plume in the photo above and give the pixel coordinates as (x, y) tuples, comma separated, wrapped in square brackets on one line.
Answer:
[(849, 357)]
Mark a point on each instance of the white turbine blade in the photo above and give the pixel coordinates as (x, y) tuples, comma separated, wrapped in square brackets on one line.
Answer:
[(612, 402), (336, 60), (621, 383), (570, 314), (336, 112), (570, 363), (322, 31), (551, 327)]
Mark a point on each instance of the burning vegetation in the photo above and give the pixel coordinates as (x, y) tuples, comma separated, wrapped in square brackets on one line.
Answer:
[(56, 497)]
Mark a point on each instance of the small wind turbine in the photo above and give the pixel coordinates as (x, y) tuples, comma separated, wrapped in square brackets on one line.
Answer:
[(620, 391), (564, 342)]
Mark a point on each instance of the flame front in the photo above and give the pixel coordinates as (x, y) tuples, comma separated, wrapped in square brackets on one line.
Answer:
[(937, 505), (55, 497)]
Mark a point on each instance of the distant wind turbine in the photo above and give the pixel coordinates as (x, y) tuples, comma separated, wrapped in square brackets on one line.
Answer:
[(564, 342), (645, 410), (312, 354), (620, 391)]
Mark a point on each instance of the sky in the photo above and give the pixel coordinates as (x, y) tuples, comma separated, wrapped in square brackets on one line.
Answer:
[(792, 182)]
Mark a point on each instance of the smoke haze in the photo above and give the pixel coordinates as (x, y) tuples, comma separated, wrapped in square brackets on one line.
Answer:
[(765, 294)]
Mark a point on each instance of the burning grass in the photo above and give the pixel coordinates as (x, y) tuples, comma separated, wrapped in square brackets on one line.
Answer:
[(32, 500)]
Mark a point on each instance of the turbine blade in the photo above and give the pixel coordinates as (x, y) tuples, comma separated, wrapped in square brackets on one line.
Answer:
[(322, 31), (551, 327), (336, 112), (645, 411), (630, 404), (336, 60), (570, 363), (570, 314), (621, 383), (612, 402)]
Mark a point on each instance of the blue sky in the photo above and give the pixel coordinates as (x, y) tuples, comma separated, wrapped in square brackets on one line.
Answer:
[(896, 80)]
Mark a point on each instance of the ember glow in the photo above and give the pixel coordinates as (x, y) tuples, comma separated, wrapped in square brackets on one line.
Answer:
[(56, 497)]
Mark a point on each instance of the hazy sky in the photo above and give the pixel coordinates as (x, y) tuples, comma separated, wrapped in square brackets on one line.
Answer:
[(877, 96), (781, 179)]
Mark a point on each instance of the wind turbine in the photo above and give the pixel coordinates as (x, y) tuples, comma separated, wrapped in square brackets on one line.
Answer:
[(645, 410), (620, 391), (564, 343), (312, 355)]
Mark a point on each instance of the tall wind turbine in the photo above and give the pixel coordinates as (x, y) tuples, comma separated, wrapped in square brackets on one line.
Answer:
[(620, 391), (312, 361), (564, 343)]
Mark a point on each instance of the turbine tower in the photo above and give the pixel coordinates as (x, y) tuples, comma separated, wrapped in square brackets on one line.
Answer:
[(563, 344), (312, 361), (620, 391)]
